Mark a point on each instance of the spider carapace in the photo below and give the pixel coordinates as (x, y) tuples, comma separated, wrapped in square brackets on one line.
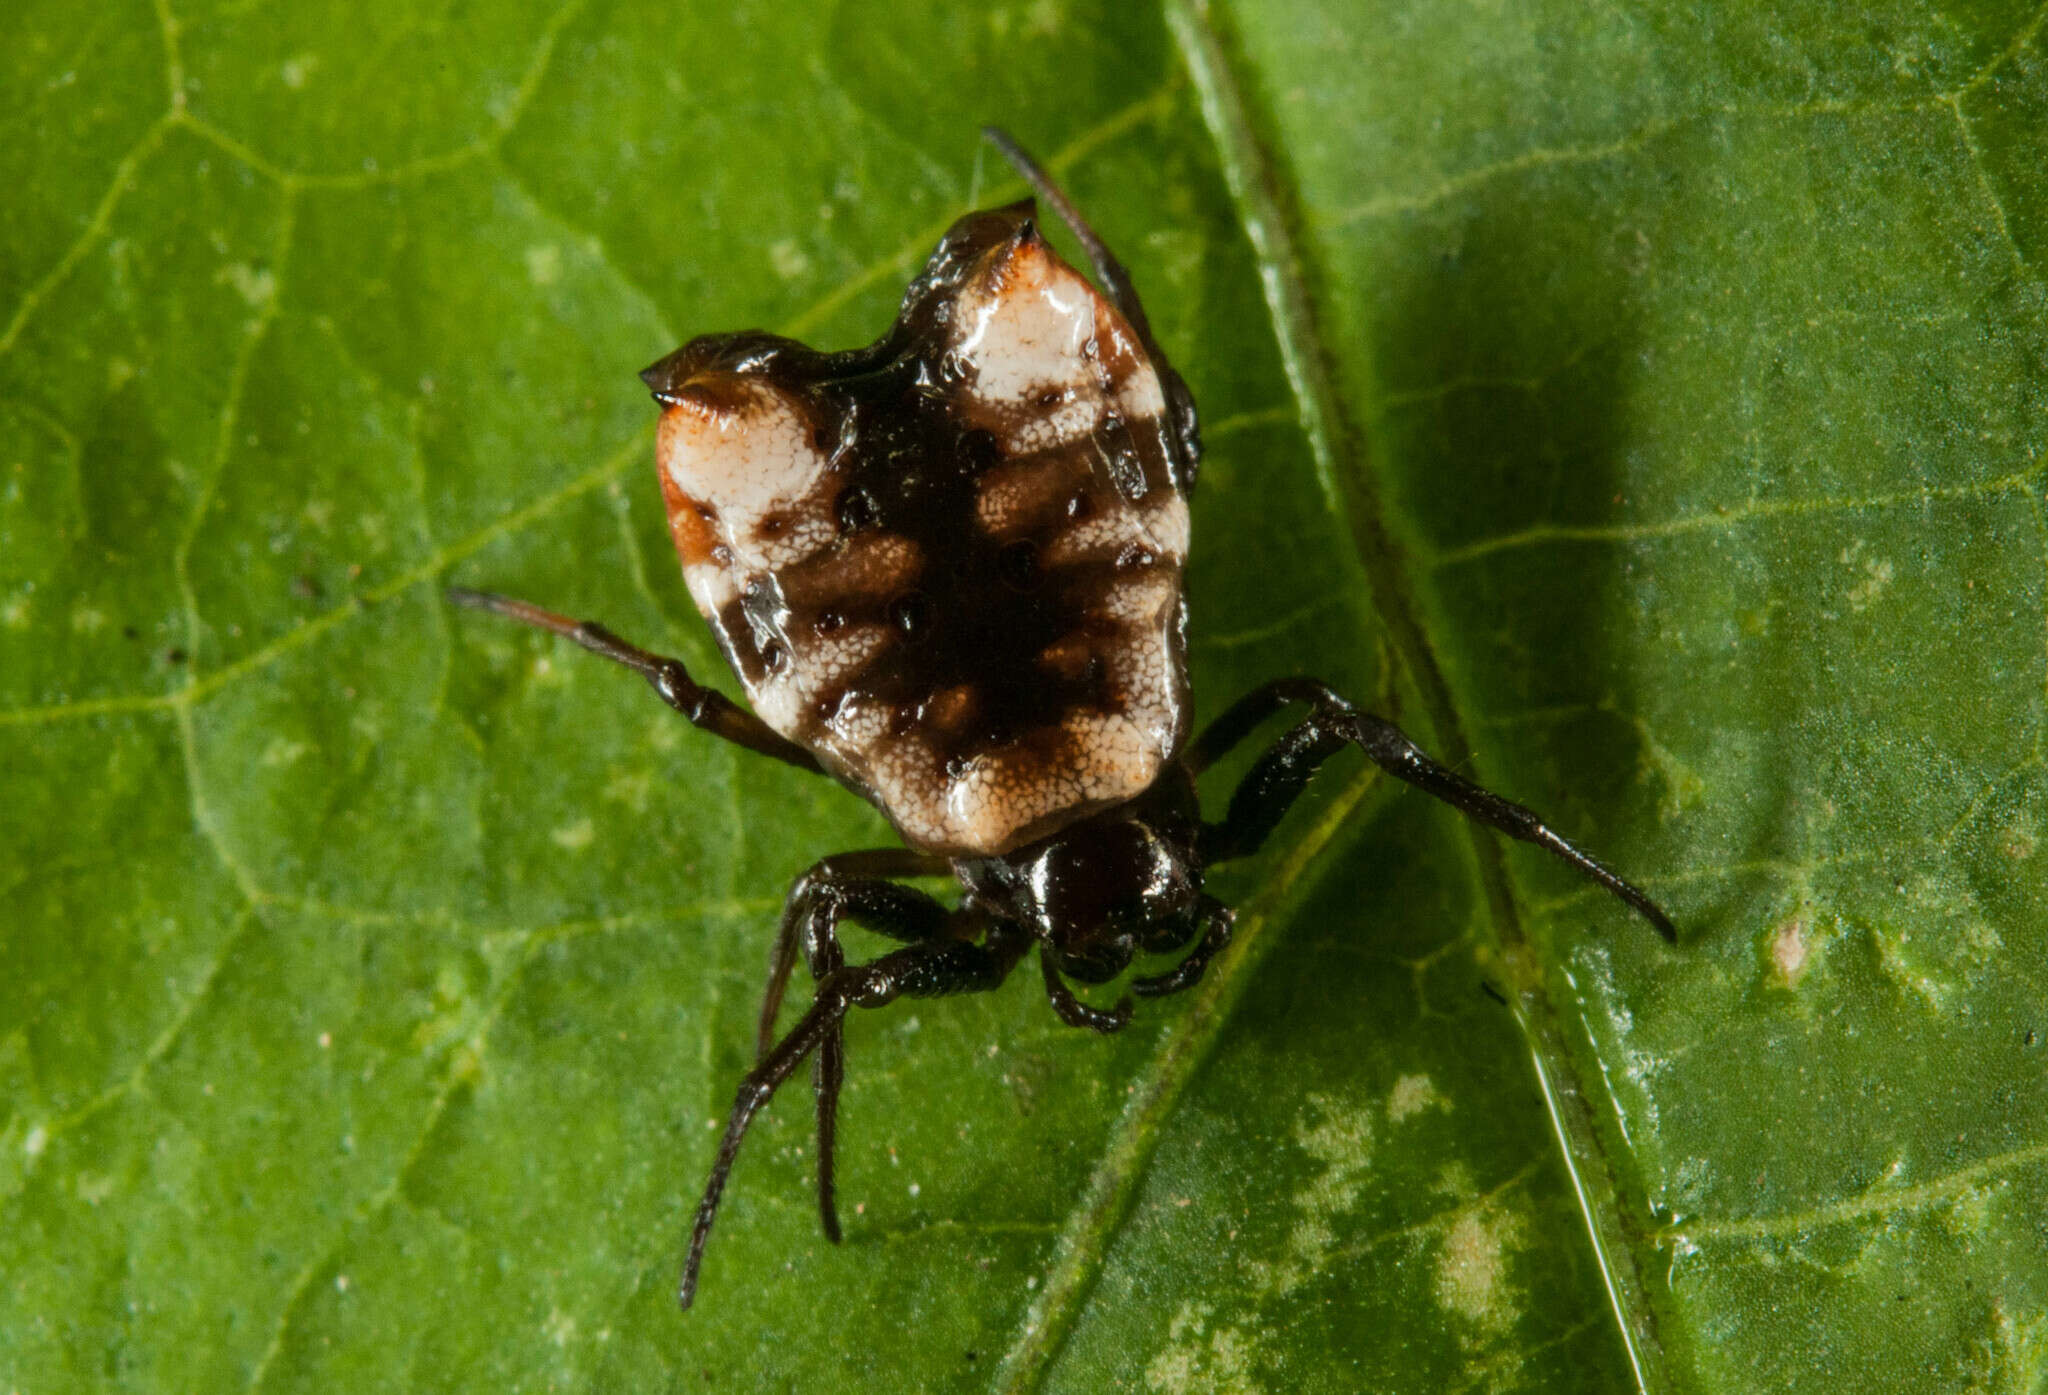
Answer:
[(947, 570)]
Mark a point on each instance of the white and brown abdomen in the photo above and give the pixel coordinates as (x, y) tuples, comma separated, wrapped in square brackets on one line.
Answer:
[(949, 563)]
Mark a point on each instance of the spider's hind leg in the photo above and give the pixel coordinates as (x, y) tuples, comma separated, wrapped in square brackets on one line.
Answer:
[(1117, 285), (1283, 772)]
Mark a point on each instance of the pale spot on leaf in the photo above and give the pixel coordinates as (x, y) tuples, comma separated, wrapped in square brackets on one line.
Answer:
[(1411, 1095), (1198, 1359), (1790, 948), (257, 285), (544, 264), (282, 752), (1340, 1139), (1472, 1267), (788, 259), (630, 787), (2019, 841), (576, 836), (1877, 576), (1942, 943)]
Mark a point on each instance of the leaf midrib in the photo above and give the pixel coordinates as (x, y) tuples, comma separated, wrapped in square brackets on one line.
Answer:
[(1268, 215)]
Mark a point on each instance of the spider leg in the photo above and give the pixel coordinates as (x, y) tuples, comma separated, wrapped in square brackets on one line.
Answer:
[(1248, 713), (1283, 772), (845, 886), (706, 708), (1221, 921), (927, 970), (1116, 284), (1116, 281), (1070, 1009), (841, 887)]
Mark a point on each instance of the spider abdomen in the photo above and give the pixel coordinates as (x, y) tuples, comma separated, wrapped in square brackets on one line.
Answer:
[(950, 564)]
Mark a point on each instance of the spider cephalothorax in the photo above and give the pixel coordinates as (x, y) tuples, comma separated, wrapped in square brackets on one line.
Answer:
[(947, 570)]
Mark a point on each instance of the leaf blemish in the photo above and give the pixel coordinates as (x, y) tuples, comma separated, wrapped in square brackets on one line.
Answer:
[(1876, 577), (1877, 573), (1471, 1268), (282, 752), (788, 260), (1945, 943), (1790, 949), (1197, 1359), (1411, 1095), (2019, 842), (257, 285), (1341, 1141), (576, 836), (544, 264)]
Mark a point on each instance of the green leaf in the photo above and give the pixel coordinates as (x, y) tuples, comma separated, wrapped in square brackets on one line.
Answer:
[(1647, 405)]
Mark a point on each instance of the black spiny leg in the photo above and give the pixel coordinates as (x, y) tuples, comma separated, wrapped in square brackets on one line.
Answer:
[(1115, 281), (1281, 774), (845, 886), (928, 970), (708, 709), (1222, 922), (1070, 1009)]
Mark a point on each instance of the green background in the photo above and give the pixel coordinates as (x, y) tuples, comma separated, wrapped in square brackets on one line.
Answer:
[(1645, 403)]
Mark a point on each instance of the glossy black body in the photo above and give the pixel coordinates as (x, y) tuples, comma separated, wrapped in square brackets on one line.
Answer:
[(1099, 893)]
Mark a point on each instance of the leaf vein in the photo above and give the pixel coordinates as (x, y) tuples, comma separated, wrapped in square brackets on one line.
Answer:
[(1983, 173), (1185, 1043), (374, 1205), (173, 1031), (1878, 1200), (1736, 515), (1269, 217), (1648, 133), (205, 685), (478, 147), (95, 228), (167, 27), (2022, 37), (905, 258)]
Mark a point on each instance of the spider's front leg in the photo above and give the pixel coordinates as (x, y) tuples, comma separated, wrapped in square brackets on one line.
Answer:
[(1218, 922), (847, 886), (1283, 772), (929, 969)]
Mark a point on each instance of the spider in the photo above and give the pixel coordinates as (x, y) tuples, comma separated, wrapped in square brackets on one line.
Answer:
[(947, 570)]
